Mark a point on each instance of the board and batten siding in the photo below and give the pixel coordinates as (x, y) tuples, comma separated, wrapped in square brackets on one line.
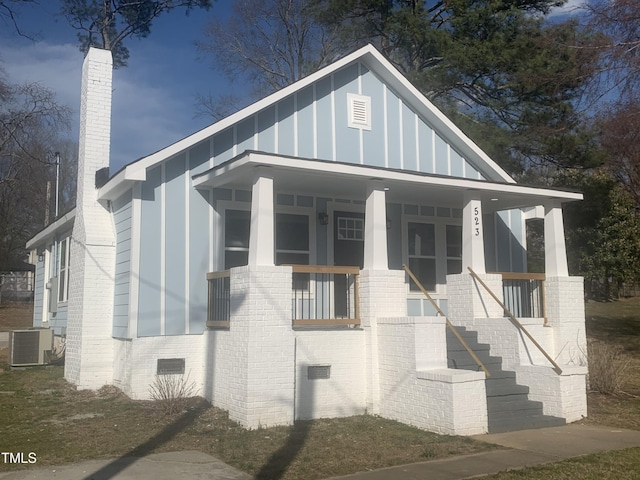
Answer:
[(313, 123), (175, 239), (122, 221), (176, 222)]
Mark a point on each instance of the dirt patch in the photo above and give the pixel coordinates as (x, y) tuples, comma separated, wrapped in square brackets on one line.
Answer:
[(14, 316)]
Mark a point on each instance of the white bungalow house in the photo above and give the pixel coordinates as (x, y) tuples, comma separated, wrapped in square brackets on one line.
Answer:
[(263, 256)]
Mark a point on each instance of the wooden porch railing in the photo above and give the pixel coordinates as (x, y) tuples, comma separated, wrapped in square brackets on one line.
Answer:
[(322, 296), (219, 301), (524, 295), (449, 324), (515, 321), (325, 295)]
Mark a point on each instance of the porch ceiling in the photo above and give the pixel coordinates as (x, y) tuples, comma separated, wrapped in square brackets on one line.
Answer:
[(342, 180)]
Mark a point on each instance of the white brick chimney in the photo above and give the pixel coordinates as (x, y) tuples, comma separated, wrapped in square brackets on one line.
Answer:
[(89, 353)]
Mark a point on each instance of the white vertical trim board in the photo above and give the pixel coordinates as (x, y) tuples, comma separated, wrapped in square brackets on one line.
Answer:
[(400, 132), (187, 250), (433, 150), (234, 148), (256, 126), (416, 127), (276, 127), (212, 232), (134, 270), (386, 125), (163, 248), (315, 122), (296, 140), (334, 145), (361, 131)]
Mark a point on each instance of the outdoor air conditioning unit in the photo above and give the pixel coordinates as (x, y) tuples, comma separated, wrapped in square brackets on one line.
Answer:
[(29, 347)]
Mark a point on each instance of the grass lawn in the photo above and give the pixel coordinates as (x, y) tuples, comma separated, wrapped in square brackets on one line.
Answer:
[(45, 415), (41, 413)]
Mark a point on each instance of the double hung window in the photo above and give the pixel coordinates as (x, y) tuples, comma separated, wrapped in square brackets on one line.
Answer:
[(434, 250), (292, 238), (422, 254), (63, 269)]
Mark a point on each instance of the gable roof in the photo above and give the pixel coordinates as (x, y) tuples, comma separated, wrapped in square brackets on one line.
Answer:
[(374, 61)]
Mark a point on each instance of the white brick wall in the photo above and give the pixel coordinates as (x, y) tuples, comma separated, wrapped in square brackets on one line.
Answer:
[(431, 396), (468, 299), (563, 396), (382, 294), (89, 354), (252, 365), (136, 360), (563, 338), (344, 393), (565, 314)]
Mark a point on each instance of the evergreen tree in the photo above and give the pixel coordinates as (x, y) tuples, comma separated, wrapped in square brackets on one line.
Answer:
[(496, 61), (107, 23)]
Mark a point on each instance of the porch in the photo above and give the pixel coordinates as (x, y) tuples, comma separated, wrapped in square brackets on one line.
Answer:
[(353, 319)]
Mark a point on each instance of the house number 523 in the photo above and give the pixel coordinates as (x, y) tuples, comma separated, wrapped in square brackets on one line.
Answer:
[(476, 221)]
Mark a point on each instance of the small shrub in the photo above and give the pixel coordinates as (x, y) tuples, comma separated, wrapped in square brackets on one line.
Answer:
[(172, 392), (607, 367)]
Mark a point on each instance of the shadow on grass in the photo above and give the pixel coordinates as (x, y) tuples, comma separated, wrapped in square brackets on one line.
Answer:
[(278, 463), (165, 435)]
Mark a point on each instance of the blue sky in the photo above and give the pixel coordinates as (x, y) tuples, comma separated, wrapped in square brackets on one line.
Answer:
[(154, 100)]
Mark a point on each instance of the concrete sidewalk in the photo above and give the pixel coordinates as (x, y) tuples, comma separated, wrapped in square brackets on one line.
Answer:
[(158, 466), (523, 448)]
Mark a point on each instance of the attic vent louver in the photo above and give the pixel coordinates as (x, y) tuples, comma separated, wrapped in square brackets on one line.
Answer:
[(359, 111)]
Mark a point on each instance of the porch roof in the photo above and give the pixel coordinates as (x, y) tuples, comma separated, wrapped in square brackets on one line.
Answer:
[(346, 180)]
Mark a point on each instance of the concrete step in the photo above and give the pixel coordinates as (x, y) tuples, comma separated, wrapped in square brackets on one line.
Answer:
[(504, 386), (513, 403), (513, 423)]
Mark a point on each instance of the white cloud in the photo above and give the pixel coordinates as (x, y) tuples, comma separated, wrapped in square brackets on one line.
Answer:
[(56, 67), (572, 7), (151, 107)]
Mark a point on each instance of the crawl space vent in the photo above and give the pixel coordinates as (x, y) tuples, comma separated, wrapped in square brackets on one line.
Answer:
[(170, 366), (318, 372), (359, 111)]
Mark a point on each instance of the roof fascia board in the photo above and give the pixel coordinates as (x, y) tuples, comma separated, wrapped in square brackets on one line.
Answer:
[(231, 170), (59, 225)]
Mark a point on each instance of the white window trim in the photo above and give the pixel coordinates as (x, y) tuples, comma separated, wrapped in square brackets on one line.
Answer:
[(441, 257), (63, 264), (223, 205)]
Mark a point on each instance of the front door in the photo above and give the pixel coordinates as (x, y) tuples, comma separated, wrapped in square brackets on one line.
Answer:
[(348, 250)]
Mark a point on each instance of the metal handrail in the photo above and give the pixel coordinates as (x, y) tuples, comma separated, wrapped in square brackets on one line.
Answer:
[(449, 324), (515, 321)]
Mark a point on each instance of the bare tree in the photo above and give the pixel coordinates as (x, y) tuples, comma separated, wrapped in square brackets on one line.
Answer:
[(620, 137), (269, 44), (30, 124), (619, 22), (9, 14)]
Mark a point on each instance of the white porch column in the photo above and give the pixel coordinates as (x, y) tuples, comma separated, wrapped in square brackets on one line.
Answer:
[(261, 234), (555, 251), (472, 236), (375, 228)]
